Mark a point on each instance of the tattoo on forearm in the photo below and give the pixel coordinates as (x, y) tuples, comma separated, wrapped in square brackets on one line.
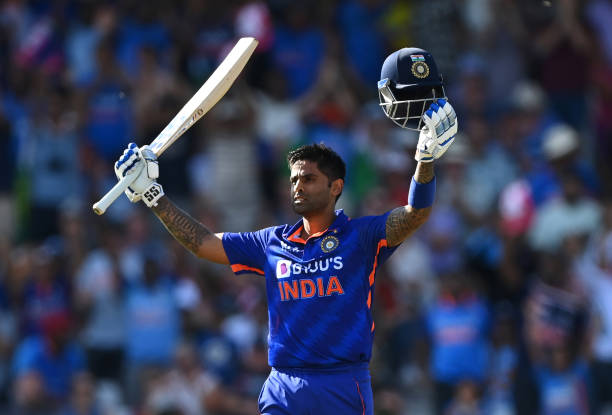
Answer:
[(185, 229), (424, 172), (404, 220)]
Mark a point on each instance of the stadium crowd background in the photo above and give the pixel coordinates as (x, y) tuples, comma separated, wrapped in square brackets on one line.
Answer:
[(501, 304)]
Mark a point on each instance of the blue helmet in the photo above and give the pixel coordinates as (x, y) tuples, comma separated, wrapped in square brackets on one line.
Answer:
[(409, 83)]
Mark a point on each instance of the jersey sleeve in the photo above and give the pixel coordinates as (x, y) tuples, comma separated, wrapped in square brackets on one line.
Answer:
[(373, 236), (246, 251)]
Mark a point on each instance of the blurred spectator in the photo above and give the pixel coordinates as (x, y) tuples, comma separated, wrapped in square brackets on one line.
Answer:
[(555, 309), (73, 237), (278, 116), (108, 111), (466, 400), (233, 157), (93, 24), (561, 148), (363, 42), (471, 91), (564, 383), (412, 269), (82, 397), (298, 48), (468, 189), (190, 388), (498, 396), (530, 111), (442, 232), (41, 47), (561, 57), (599, 13), (45, 365), (53, 162), (404, 346), (47, 291), (99, 303), (552, 224), (496, 35), (458, 326), (153, 84), (140, 27), (152, 326), (594, 267)]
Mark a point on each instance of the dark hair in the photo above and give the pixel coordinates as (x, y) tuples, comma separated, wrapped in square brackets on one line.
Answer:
[(328, 161)]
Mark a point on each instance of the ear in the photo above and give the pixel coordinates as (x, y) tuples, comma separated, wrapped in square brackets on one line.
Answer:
[(336, 187)]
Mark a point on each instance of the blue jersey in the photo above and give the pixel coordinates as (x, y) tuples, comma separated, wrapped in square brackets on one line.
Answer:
[(319, 290)]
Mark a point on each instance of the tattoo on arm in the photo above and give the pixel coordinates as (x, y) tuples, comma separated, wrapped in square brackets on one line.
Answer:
[(424, 172), (403, 221), (184, 228)]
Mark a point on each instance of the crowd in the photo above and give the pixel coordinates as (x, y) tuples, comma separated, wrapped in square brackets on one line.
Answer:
[(501, 304)]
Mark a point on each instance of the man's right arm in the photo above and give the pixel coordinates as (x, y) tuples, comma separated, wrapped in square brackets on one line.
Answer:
[(192, 234)]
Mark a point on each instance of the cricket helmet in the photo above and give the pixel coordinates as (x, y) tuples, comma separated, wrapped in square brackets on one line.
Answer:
[(409, 83)]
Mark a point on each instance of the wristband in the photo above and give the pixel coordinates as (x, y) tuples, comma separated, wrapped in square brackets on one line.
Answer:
[(422, 195)]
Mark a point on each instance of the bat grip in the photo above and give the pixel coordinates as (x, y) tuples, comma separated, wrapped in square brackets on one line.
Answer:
[(101, 205)]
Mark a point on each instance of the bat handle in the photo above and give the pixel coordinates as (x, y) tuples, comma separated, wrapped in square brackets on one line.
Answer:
[(101, 205)]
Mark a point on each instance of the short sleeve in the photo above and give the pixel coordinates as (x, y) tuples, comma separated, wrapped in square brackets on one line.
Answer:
[(373, 236), (246, 251)]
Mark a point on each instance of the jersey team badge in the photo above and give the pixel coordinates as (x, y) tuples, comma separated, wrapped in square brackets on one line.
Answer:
[(329, 243)]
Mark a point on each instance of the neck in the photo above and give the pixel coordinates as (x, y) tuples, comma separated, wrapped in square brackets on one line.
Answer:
[(318, 223)]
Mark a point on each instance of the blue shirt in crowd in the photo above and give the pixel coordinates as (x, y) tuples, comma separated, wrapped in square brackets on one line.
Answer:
[(458, 329)]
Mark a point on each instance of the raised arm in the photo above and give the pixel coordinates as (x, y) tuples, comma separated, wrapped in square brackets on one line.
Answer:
[(192, 234), (434, 139), (404, 220)]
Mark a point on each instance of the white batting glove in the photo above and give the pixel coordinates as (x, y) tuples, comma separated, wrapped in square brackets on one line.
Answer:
[(143, 163), (438, 133)]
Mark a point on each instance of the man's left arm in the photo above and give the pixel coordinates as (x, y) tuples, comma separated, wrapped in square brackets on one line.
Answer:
[(404, 220), (435, 138)]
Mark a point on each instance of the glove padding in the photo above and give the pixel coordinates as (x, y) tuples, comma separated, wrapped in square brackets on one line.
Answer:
[(438, 133), (143, 163)]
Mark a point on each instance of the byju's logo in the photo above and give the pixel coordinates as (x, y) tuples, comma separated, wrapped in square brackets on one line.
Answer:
[(283, 268)]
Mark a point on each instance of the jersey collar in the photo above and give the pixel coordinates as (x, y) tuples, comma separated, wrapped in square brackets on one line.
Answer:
[(293, 234)]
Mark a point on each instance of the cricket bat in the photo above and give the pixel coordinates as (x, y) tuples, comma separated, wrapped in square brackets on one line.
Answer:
[(207, 96)]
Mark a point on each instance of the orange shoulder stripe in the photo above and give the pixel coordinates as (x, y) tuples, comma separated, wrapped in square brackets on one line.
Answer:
[(240, 267)]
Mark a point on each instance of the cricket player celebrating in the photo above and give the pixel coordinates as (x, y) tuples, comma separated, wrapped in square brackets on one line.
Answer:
[(320, 272)]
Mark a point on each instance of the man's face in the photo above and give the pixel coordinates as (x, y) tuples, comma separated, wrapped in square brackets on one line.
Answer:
[(311, 190)]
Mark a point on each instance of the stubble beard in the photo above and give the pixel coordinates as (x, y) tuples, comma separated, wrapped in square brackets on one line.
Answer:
[(308, 208)]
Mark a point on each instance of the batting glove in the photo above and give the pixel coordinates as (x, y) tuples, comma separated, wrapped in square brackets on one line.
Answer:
[(438, 133), (141, 162)]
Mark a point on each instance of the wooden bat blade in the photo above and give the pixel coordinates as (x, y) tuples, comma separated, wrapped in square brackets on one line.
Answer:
[(200, 103)]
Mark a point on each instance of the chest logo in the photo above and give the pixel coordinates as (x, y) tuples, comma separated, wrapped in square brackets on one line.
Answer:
[(329, 243), (283, 269)]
